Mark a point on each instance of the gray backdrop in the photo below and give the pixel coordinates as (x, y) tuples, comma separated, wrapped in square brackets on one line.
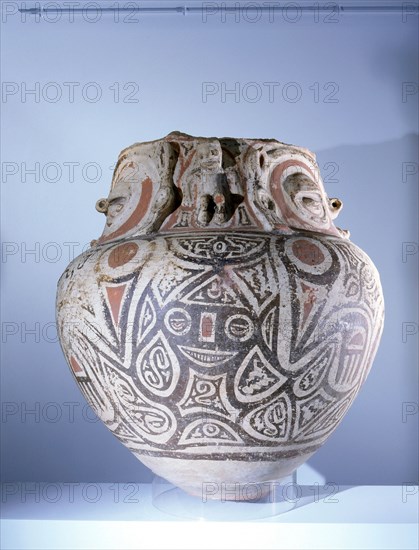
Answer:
[(344, 86)]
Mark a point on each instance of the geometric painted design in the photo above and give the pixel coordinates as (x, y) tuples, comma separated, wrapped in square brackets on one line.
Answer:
[(240, 348), (219, 247), (309, 255), (256, 379), (257, 282), (354, 343), (206, 395), (154, 422), (326, 422), (114, 296), (76, 367), (157, 366), (213, 292), (309, 409), (271, 421), (209, 432), (146, 320), (206, 357), (168, 282), (268, 328), (313, 374)]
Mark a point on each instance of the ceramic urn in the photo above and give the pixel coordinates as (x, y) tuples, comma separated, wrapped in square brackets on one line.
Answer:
[(222, 325)]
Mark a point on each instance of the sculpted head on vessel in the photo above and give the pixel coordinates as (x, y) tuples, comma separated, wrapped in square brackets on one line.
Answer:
[(207, 183)]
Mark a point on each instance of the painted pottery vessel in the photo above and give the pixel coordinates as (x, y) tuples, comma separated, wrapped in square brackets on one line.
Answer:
[(222, 325)]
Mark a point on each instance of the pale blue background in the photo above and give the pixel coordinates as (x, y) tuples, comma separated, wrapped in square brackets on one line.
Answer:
[(369, 134)]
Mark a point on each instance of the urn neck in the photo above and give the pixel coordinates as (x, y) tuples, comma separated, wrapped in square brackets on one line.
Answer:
[(183, 183)]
